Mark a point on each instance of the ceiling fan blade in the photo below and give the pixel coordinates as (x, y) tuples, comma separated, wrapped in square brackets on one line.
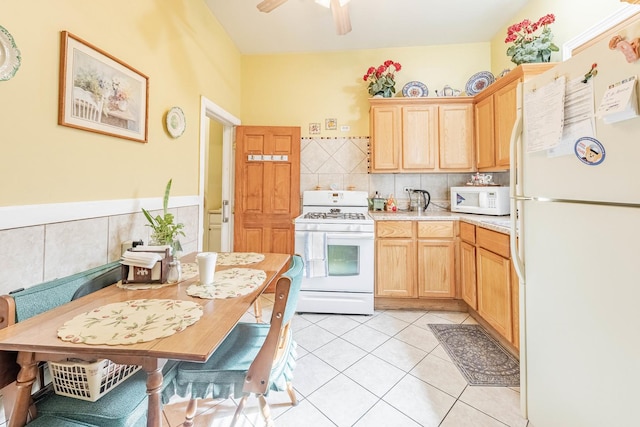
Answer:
[(341, 17), (268, 5)]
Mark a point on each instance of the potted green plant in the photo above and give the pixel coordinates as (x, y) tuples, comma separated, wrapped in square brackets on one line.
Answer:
[(165, 232)]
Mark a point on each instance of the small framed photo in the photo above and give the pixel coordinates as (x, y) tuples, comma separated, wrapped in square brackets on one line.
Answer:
[(314, 128), (99, 93), (330, 124)]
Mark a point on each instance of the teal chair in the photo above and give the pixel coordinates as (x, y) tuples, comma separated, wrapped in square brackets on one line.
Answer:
[(254, 358)]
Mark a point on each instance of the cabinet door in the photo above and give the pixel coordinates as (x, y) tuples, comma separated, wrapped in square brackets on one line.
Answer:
[(395, 268), (456, 137), (419, 137), (494, 291), (436, 269), (505, 117), (468, 274), (385, 138), (485, 133)]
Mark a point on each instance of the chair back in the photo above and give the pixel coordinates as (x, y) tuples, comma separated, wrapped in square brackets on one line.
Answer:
[(278, 341)]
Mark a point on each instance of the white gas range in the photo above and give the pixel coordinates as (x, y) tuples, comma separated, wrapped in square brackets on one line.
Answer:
[(335, 237)]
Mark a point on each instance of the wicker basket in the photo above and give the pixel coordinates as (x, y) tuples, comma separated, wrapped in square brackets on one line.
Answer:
[(88, 380)]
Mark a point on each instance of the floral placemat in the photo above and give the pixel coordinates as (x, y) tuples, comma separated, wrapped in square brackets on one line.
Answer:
[(131, 322), (230, 283), (238, 258), (189, 270)]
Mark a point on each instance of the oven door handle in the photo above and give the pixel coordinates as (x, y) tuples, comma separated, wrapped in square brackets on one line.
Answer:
[(359, 236)]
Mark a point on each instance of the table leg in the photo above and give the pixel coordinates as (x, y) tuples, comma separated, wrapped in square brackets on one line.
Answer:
[(154, 388), (24, 382)]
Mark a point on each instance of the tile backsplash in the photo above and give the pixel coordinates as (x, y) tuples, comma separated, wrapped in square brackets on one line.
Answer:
[(341, 163)]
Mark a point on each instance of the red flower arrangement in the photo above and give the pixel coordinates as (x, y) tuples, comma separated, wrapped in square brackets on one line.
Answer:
[(381, 79), (528, 47)]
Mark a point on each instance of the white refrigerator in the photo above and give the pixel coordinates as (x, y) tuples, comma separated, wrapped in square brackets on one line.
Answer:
[(576, 242)]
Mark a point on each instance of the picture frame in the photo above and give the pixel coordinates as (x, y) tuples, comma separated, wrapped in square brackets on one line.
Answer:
[(330, 124), (99, 93), (314, 128)]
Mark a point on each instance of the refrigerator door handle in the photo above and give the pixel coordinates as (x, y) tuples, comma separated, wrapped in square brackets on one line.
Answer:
[(515, 178)]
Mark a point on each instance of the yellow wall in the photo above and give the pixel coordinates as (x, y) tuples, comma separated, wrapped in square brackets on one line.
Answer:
[(213, 183), (178, 44), (298, 89), (573, 17)]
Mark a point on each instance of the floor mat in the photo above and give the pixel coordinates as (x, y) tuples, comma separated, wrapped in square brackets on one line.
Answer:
[(479, 357)]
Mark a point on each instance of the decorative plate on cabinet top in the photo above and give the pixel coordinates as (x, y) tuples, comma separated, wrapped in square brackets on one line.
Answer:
[(415, 90), (9, 55), (176, 123), (479, 82)]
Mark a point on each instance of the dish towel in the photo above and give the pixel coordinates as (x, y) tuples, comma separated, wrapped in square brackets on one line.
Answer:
[(316, 254)]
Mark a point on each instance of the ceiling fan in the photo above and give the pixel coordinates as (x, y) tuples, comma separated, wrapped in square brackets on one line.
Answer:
[(339, 10)]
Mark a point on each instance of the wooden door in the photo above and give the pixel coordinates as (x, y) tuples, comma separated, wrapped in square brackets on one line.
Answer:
[(419, 137), (267, 188), (468, 274), (456, 137), (385, 138), (436, 269), (395, 268), (494, 290), (485, 133), (505, 114)]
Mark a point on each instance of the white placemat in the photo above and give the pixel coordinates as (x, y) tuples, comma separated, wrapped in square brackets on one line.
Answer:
[(239, 258), (229, 283), (131, 322)]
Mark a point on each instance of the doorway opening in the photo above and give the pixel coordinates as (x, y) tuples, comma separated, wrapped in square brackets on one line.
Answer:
[(217, 133)]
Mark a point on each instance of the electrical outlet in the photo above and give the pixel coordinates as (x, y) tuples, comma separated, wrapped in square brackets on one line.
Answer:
[(407, 189)]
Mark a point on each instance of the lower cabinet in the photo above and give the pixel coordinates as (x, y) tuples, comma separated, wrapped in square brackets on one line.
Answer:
[(489, 284), (415, 259)]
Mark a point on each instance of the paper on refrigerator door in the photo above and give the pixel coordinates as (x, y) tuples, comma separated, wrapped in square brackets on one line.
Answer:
[(544, 115)]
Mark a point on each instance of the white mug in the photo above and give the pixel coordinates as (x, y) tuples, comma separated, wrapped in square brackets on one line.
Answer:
[(206, 266)]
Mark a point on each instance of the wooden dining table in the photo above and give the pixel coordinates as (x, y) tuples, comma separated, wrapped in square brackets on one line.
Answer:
[(36, 339)]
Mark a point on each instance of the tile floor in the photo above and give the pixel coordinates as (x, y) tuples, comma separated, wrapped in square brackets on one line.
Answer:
[(384, 370)]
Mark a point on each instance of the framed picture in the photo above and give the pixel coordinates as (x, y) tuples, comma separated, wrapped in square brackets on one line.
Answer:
[(330, 124), (100, 93), (314, 128)]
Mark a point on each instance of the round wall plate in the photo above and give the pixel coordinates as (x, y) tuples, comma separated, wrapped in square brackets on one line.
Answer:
[(9, 55), (176, 122)]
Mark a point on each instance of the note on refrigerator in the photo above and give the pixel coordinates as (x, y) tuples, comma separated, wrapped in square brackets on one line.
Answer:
[(544, 115)]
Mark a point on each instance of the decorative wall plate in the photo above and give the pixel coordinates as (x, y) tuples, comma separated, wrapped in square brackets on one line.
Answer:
[(415, 90), (479, 82), (9, 55), (176, 122)]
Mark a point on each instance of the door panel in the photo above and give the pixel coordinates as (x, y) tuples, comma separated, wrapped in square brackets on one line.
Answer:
[(267, 188)]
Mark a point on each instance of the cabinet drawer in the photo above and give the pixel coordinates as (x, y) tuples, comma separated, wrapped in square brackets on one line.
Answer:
[(493, 241), (394, 229), (468, 232), (437, 229)]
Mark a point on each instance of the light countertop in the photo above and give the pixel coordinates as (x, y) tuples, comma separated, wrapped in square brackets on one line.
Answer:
[(500, 224)]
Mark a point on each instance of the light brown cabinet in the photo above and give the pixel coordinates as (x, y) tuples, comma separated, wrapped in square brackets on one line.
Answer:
[(415, 259), (495, 115), (468, 264), (489, 284), (421, 135)]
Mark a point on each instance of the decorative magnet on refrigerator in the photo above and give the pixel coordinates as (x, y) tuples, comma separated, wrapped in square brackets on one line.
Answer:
[(589, 150)]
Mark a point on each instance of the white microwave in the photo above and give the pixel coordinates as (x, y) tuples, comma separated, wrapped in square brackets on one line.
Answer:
[(485, 200)]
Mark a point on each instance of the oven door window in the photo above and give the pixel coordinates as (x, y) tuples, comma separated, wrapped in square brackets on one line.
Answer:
[(343, 260)]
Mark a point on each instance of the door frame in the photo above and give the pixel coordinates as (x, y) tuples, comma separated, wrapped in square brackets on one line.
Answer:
[(210, 110)]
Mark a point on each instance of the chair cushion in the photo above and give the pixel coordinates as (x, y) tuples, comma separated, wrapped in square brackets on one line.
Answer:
[(223, 374), (51, 421), (124, 406)]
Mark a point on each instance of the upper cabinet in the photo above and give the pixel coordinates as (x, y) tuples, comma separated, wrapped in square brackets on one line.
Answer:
[(421, 135), (495, 115)]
